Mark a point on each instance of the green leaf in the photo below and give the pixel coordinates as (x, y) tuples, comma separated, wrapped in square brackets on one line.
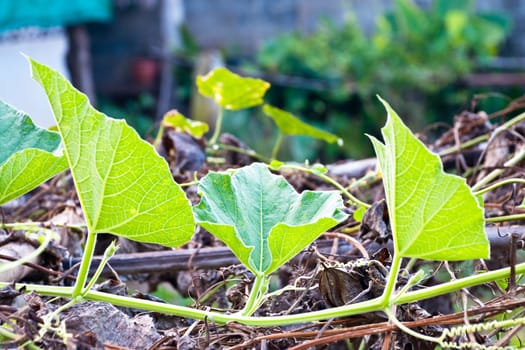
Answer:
[(27, 169), (17, 132), (124, 186), (231, 91), (25, 158), (434, 215), (263, 220), (193, 127), (289, 124)]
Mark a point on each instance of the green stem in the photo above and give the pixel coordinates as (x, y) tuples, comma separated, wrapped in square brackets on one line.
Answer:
[(498, 184), (392, 318), (331, 181), (377, 304), (247, 152), (277, 145), (108, 253), (47, 238), (218, 126), (84, 264), (470, 143), (255, 295), (518, 157), (392, 280), (160, 133), (13, 336), (506, 218)]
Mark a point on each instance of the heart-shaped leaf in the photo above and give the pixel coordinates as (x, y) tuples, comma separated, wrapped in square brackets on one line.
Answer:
[(434, 215), (25, 157), (124, 186), (263, 220), (231, 91), (179, 122), (289, 124)]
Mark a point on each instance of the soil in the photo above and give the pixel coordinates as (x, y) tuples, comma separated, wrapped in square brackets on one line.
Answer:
[(209, 276)]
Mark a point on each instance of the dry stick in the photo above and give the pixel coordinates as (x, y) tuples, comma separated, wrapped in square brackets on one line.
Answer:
[(516, 159), (350, 240), (215, 257), (334, 335), (40, 268)]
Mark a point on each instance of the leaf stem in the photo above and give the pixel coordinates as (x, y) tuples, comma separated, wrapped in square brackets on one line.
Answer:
[(464, 145), (518, 157), (498, 184), (506, 218), (89, 248), (108, 253), (247, 152), (277, 145), (218, 126), (256, 295), (331, 181), (392, 280)]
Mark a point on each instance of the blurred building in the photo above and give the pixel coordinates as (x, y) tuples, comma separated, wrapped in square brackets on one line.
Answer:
[(130, 42)]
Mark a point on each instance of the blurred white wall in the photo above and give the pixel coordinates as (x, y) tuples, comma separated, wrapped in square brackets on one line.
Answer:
[(16, 85)]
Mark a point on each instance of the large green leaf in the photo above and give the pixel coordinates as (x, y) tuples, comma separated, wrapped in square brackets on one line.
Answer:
[(434, 215), (17, 132), (231, 91), (25, 157), (263, 220), (289, 124), (27, 169), (124, 186)]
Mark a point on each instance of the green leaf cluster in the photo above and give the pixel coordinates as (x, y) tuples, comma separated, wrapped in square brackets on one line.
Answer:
[(233, 92), (413, 56)]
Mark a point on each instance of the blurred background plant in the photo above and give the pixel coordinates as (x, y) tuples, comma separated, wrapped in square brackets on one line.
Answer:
[(138, 59), (416, 58)]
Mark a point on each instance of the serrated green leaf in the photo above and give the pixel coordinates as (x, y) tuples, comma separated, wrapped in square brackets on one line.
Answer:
[(124, 186), (231, 91), (289, 124), (263, 220), (17, 132), (27, 169), (193, 127), (434, 215), (25, 158)]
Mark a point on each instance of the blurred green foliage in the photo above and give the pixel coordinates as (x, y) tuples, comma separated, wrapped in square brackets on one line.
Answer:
[(415, 58)]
